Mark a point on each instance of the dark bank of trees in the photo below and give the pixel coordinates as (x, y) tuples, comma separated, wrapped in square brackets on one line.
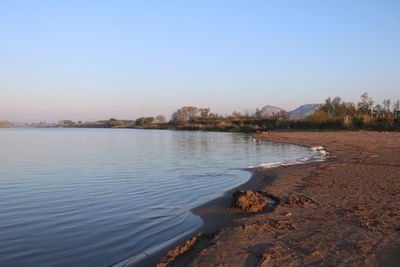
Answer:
[(338, 114), (6, 124), (110, 123), (143, 121), (334, 114)]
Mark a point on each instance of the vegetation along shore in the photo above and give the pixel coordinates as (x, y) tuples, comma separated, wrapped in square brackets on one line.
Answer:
[(334, 114)]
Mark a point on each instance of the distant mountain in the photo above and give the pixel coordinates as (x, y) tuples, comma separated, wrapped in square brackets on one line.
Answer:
[(269, 111), (304, 110)]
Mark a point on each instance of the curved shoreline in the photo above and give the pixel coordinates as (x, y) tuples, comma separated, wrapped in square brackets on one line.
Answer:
[(214, 214), (340, 212), (217, 213)]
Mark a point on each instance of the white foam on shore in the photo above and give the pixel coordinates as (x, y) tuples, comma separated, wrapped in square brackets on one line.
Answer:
[(318, 153), (271, 164), (319, 149), (316, 148)]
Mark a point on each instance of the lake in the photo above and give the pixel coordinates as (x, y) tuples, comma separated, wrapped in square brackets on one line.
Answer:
[(94, 197)]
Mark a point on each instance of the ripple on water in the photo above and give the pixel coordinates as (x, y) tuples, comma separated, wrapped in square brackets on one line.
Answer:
[(93, 197)]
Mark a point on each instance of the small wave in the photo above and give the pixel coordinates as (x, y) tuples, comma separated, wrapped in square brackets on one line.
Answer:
[(319, 149), (271, 164), (318, 154), (316, 148)]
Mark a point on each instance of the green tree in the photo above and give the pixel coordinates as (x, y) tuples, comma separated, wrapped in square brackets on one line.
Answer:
[(143, 121), (66, 123), (337, 107)]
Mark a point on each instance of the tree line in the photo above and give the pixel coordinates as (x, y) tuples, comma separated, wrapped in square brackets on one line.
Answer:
[(334, 114), (6, 124)]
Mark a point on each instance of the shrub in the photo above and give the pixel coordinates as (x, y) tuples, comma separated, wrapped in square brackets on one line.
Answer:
[(358, 121)]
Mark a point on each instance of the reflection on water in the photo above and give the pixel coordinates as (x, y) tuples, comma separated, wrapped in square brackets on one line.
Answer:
[(93, 197)]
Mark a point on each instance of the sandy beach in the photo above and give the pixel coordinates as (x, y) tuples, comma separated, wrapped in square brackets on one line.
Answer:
[(340, 212)]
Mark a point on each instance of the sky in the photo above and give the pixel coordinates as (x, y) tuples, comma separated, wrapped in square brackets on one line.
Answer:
[(90, 60)]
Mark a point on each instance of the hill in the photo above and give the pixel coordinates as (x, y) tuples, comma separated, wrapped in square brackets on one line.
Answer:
[(304, 110), (269, 111)]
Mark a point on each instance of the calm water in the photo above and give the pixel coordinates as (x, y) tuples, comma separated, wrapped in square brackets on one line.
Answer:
[(94, 197)]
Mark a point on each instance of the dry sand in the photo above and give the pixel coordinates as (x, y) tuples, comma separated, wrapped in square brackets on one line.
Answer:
[(341, 212)]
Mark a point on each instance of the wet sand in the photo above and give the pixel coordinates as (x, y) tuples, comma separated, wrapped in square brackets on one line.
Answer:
[(341, 212), (215, 214)]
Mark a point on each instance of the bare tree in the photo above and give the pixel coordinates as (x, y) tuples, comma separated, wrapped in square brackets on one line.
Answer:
[(236, 115), (377, 110), (386, 107), (161, 119), (204, 112), (396, 106), (396, 109), (386, 104), (365, 105), (184, 114), (258, 114)]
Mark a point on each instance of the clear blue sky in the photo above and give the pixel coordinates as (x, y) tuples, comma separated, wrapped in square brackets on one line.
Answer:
[(85, 60)]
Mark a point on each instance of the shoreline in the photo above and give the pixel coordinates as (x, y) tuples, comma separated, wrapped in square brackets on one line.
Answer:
[(350, 216), (214, 214), (217, 213)]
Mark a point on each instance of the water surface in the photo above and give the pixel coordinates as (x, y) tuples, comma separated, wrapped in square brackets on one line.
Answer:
[(94, 197)]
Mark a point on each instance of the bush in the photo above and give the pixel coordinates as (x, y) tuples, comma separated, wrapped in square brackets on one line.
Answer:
[(144, 121), (383, 124), (358, 121)]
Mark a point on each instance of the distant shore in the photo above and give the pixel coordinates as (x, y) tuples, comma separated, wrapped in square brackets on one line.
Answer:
[(340, 212)]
